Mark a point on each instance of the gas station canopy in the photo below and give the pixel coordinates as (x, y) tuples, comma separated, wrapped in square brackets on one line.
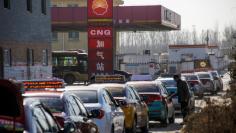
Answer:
[(125, 18)]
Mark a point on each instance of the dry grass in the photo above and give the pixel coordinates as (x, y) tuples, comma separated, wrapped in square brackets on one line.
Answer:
[(215, 118)]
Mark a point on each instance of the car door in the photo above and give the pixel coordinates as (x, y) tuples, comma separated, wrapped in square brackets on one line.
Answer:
[(110, 111), (137, 105), (88, 125), (44, 121), (166, 101), (117, 113), (75, 115), (143, 107)]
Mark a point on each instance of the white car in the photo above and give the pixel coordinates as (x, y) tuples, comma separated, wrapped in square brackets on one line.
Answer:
[(96, 97), (208, 82), (195, 83)]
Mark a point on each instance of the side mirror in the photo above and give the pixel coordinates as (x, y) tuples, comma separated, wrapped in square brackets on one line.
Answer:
[(69, 127), (97, 114), (221, 76)]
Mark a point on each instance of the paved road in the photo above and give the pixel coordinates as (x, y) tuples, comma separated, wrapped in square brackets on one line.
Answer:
[(155, 127)]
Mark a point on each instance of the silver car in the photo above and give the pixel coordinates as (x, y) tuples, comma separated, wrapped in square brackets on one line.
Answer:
[(208, 82), (97, 97)]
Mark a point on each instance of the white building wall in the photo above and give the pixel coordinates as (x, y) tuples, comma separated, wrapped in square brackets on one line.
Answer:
[(198, 53)]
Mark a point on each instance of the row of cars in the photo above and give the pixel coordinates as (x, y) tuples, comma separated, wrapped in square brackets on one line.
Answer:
[(206, 81), (108, 106)]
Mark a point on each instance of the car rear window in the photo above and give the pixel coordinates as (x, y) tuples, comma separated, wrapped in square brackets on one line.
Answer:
[(54, 104), (146, 87), (214, 74), (116, 91), (87, 96), (169, 83), (190, 77), (204, 76)]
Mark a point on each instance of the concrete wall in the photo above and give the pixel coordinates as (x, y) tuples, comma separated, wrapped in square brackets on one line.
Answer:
[(63, 42), (18, 24), (198, 53), (21, 30)]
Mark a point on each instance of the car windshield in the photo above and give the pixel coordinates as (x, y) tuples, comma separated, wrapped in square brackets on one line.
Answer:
[(116, 91), (202, 76), (169, 83), (54, 104), (87, 96), (146, 87), (214, 74), (190, 77)]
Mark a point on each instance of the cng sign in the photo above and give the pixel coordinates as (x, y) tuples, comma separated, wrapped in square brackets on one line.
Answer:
[(101, 32), (100, 50), (100, 37), (100, 9)]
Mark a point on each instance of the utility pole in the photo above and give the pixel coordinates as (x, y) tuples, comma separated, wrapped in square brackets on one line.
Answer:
[(207, 37)]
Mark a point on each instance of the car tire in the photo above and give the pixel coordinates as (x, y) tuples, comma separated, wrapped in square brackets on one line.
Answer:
[(112, 129), (69, 79), (172, 119), (145, 129)]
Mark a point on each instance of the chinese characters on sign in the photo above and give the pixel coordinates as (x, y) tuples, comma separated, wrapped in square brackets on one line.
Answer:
[(100, 52), (100, 37)]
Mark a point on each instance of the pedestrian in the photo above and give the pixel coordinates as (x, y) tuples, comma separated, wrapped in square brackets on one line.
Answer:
[(183, 95)]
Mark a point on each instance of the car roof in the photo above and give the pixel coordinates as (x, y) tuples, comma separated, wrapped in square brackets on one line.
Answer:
[(42, 94), (202, 72), (73, 88), (163, 78), (30, 102), (188, 74), (143, 82), (108, 84), (141, 77)]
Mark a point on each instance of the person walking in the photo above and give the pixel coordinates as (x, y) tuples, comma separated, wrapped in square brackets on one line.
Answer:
[(183, 95)]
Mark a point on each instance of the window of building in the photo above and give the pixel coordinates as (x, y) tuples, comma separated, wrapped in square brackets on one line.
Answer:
[(43, 6), (72, 5), (7, 57), (30, 57), (7, 4), (29, 5), (53, 5), (45, 57), (54, 36), (74, 35)]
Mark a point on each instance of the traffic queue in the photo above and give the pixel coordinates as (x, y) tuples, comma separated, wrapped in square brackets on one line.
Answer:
[(109, 105)]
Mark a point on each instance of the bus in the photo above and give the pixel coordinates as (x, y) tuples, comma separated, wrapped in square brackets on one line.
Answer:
[(70, 65)]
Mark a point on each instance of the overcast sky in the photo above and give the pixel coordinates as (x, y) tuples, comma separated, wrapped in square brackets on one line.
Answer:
[(203, 14)]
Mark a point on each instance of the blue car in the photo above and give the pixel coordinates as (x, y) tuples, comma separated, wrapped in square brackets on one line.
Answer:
[(171, 87), (160, 108)]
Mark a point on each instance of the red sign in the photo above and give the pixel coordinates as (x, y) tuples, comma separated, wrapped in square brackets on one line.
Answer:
[(100, 9), (100, 67), (100, 32), (100, 55), (100, 38), (103, 43)]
